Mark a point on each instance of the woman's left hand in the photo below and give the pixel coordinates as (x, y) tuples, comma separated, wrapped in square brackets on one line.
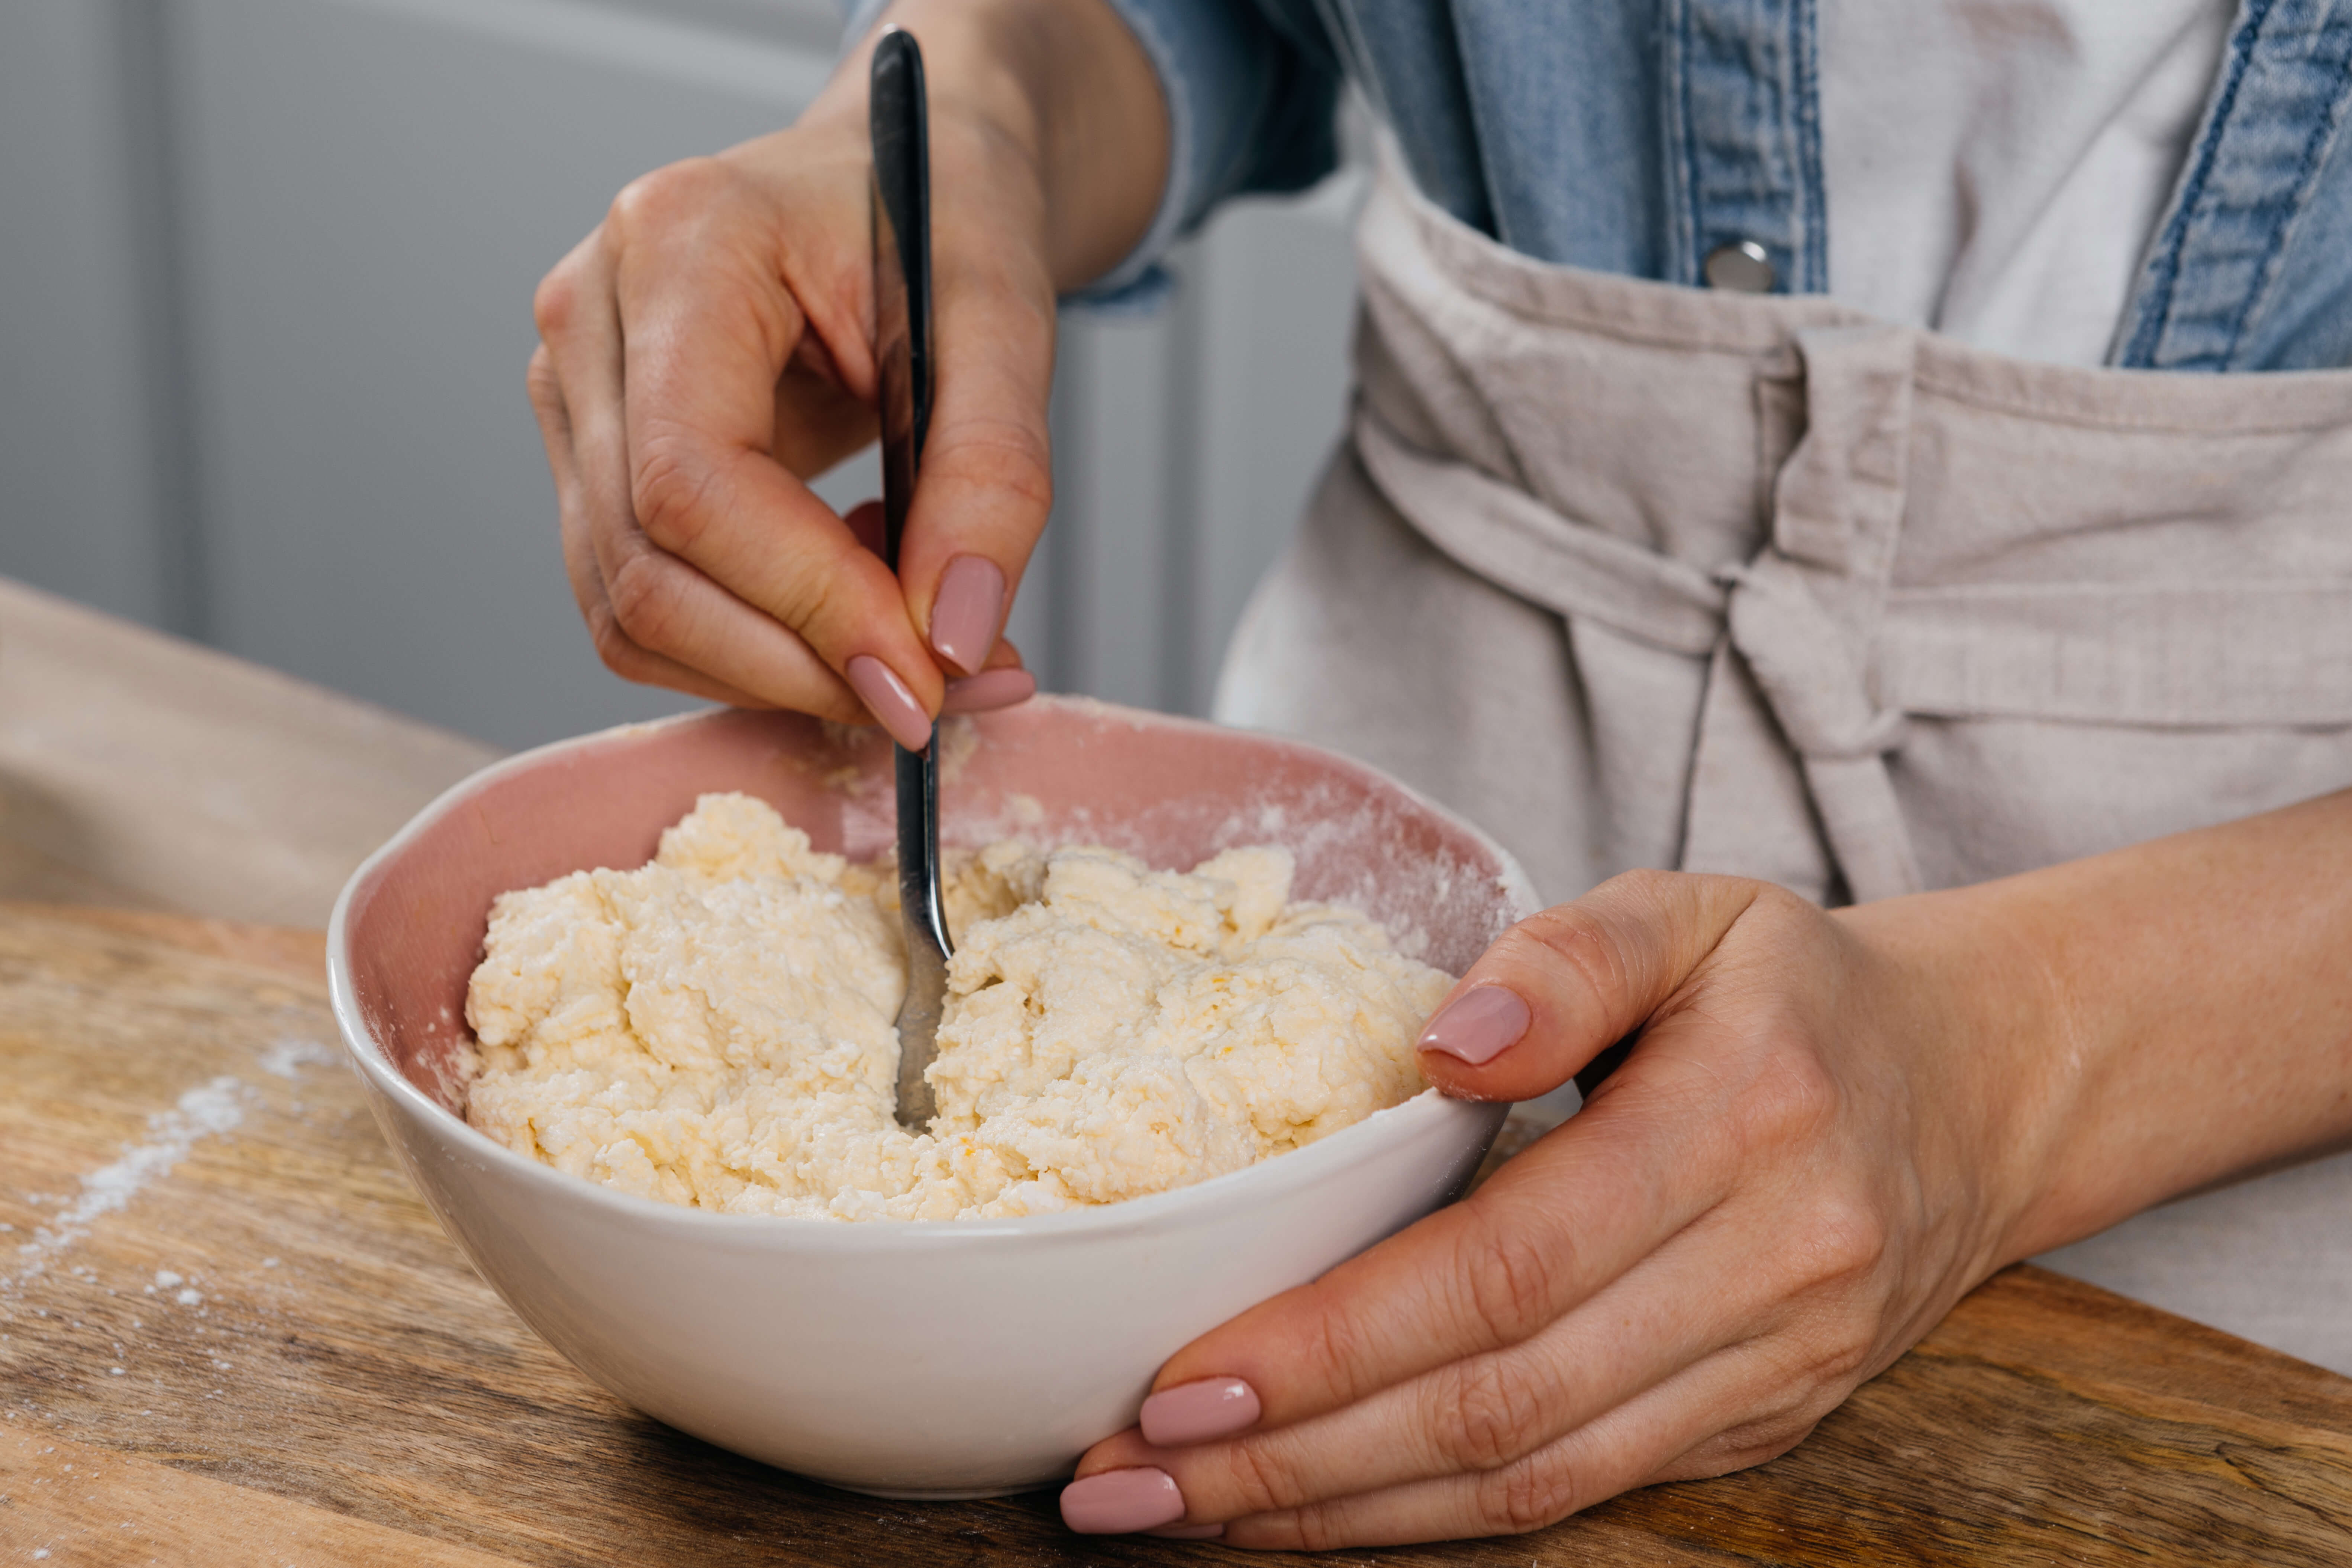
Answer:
[(1829, 1131)]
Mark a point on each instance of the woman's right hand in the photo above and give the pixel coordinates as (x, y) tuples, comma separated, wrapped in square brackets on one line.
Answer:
[(709, 348)]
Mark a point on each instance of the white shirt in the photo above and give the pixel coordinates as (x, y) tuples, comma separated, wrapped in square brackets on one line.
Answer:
[(1995, 169)]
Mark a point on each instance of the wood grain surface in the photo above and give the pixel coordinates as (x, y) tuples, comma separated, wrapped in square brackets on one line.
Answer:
[(249, 1342), (140, 768)]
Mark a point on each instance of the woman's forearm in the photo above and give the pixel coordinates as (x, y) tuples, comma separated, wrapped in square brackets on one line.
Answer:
[(1066, 88), (2179, 1012)]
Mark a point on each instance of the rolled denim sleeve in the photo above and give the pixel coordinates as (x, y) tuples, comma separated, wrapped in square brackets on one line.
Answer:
[(1250, 107), (1252, 99)]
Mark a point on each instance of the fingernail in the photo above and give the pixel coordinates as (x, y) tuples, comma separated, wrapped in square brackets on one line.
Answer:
[(887, 699), (1188, 1532), (1196, 1412), (1117, 1502), (989, 690), (1477, 1026), (964, 616)]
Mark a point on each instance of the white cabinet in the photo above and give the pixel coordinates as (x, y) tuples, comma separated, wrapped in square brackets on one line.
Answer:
[(1185, 444), (268, 269)]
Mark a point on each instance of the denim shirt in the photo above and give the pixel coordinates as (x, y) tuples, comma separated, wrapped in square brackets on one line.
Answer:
[(1641, 136)]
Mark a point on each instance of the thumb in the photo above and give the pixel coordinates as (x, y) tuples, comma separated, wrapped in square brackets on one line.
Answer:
[(1561, 987)]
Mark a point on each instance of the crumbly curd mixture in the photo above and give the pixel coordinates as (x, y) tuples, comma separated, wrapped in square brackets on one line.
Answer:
[(717, 1028)]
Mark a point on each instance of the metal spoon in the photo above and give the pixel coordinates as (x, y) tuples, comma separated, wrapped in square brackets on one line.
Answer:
[(896, 122)]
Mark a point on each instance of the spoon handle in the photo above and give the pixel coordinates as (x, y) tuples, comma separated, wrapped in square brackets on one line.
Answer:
[(902, 335)]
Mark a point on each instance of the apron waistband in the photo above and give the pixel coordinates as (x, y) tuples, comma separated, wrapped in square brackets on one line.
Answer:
[(2229, 654)]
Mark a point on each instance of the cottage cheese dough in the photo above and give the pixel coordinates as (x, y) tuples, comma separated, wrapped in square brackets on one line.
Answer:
[(716, 1028)]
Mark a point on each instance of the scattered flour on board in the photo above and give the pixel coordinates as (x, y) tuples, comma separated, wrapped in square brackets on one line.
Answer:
[(287, 1058), (208, 1111)]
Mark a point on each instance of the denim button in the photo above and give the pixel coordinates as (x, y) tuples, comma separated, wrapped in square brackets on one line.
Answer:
[(1740, 267)]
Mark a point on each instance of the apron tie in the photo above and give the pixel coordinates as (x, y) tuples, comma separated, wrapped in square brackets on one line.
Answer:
[(1798, 659), (1799, 613)]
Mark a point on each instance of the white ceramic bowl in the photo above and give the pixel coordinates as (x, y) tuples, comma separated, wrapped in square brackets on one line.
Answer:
[(942, 1359)]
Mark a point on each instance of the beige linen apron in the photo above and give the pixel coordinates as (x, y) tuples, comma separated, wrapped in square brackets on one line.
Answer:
[(1633, 574)]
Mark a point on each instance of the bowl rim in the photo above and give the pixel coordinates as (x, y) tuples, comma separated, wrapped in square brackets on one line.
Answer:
[(1297, 1167)]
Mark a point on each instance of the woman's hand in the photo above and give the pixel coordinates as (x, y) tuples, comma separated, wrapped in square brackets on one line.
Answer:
[(1831, 1127), (709, 349), (1824, 1137)]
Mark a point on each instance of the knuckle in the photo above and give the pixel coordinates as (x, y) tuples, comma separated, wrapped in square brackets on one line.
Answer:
[(1794, 1098), (1261, 1481), (612, 645), (555, 304), (1841, 1363), (1528, 1496), (1572, 935), (1817, 1362), (1511, 1275), (540, 379), (1845, 1239), (815, 600), (1003, 456), (1338, 1351), (1754, 1442), (646, 593), (1644, 884), (1655, 896), (1319, 1528), (1841, 1348), (1774, 901), (671, 194), (666, 488), (1492, 1415)]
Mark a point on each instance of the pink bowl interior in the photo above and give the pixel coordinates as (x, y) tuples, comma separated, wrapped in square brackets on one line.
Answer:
[(1051, 772)]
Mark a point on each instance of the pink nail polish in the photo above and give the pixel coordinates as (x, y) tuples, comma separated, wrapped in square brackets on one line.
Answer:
[(964, 616), (889, 700), (1196, 1412), (1477, 1026), (989, 689), (1117, 1502), (1189, 1531)]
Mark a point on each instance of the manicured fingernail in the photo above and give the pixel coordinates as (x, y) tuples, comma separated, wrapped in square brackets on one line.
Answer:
[(989, 690), (887, 699), (964, 616), (1117, 1502), (1477, 1026), (1196, 1412), (1188, 1532)]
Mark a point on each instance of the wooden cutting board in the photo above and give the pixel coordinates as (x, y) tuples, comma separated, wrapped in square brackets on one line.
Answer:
[(230, 1334)]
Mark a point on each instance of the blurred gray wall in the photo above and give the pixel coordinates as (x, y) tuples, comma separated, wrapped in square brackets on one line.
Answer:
[(265, 279)]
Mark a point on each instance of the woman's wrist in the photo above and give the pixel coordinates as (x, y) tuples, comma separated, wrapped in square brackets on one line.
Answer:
[(2124, 1030), (1989, 1036), (1057, 87)]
